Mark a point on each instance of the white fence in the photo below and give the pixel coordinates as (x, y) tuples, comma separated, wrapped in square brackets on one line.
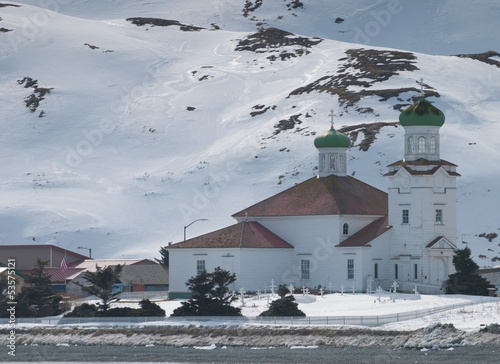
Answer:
[(137, 296), (232, 320)]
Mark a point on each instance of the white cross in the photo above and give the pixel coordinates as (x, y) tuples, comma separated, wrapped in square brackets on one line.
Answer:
[(353, 288), (421, 86), (331, 115), (242, 295), (272, 286), (265, 288), (258, 294), (291, 288), (330, 287), (415, 290), (321, 291), (304, 290), (379, 291), (342, 290), (394, 286)]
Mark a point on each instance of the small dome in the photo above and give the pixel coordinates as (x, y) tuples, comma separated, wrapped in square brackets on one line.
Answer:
[(422, 113), (332, 139)]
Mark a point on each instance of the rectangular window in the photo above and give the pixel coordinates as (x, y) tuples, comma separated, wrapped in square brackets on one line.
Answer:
[(396, 273), (439, 217), (375, 271), (415, 271), (350, 268), (406, 216), (305, 266), (200, 266)]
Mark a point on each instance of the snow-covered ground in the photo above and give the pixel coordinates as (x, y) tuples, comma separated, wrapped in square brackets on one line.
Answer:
[(469, 318)]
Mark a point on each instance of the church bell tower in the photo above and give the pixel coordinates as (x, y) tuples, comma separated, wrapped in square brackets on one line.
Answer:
[(422, 201)]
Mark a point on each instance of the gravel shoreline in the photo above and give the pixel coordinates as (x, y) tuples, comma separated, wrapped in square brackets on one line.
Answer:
[(437, 336)]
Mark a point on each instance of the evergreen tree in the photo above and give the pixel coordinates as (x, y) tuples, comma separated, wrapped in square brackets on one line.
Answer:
[(209, 295), (164, 259), (465, 280), (284, 306), (102, 283), (39, 295)]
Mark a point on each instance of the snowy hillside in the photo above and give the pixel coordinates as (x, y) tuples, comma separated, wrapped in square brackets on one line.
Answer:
[(116, 133)]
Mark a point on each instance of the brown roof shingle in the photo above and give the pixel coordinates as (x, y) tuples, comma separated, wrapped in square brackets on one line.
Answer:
[(246, 234), (364, 236), (330, 195)]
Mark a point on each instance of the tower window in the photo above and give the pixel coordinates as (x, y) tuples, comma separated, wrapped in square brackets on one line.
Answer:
[(421, 144), (200, 266), (410, 145), (345, 229), (350, 268), (433, 145), (332, 163), (305, 269), (439, 217), (406, 217)]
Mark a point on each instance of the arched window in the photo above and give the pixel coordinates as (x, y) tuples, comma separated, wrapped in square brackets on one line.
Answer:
[(345, 229), (421, 144), (375, 271), (410, 145), (433, 145), (341, 163), (323, 163), (332, 163)]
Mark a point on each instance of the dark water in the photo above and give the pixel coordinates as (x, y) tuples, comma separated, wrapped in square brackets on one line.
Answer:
[(322, 354)]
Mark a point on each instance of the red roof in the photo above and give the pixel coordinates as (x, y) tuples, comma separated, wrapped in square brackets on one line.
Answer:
[(247, 234), (422, 162), (364, 236), (330, 195)]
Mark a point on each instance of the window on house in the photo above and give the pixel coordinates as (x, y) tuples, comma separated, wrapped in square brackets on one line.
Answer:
[(421, 144), (396, 273), (410, 145), (375, 270), (433, 145), (439, 217), (332, 163), (305, 268), (200, 266), (345, 229), (406, 217), (415, 271), (350, 268)]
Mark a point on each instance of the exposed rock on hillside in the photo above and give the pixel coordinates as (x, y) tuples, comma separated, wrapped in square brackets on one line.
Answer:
[(163, 23), (363, 68), (272, 40)]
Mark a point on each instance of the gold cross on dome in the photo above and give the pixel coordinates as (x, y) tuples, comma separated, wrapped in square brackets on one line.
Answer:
[(421, 85), (331, 117)]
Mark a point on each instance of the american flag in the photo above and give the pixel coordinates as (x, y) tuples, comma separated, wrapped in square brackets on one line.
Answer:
[(64, 266)]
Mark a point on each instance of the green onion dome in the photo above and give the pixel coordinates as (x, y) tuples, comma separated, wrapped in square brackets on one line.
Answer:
[(422, 113), (332, 139)]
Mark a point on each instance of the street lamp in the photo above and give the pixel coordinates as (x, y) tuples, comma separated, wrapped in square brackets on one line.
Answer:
[(89, 249), (188, 225)]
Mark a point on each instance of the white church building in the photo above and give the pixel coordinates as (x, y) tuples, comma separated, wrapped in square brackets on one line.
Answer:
[(334, 230)]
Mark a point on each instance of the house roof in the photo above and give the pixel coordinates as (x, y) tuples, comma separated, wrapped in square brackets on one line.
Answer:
[(332, 195), (92, 264), (150, 274), (364, 236), (57, 275), (246, 234)]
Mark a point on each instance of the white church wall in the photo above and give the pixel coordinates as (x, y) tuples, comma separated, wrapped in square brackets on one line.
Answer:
[(183, 264)]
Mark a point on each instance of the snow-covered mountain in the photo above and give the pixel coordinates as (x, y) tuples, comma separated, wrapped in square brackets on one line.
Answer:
[(123, 121)]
